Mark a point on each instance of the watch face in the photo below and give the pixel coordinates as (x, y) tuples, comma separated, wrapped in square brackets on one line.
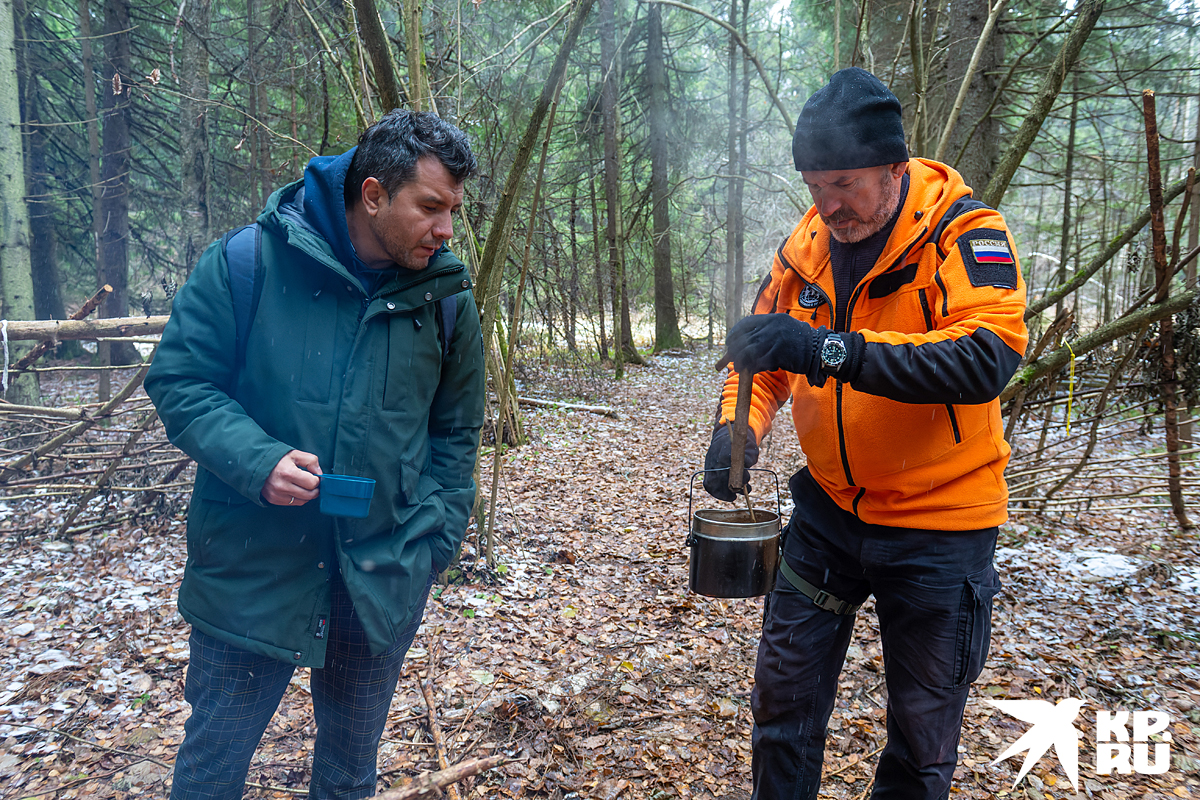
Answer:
[(833, 353)]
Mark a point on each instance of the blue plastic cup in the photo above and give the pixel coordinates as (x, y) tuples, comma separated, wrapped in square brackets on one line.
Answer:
[(346, 495)]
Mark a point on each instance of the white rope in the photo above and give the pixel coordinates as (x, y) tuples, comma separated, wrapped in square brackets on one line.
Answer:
[(4, 335)]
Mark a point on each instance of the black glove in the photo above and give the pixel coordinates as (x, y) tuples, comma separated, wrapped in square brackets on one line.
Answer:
[(767, 342), (716, 463)]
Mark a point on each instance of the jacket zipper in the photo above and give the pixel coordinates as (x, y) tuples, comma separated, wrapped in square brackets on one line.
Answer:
[(842, 434), (843, 326), (954, 424)]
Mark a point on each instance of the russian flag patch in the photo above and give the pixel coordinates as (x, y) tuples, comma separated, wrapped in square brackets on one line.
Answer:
[(991, 251), (988, 258)]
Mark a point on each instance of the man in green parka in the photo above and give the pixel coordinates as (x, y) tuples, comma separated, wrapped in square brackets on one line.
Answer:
[(348, 365)]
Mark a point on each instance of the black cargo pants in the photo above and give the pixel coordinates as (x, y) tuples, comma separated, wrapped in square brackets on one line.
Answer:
[(933, 595)]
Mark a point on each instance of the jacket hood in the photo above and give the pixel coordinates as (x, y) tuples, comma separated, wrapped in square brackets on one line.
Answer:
[(324, 204)]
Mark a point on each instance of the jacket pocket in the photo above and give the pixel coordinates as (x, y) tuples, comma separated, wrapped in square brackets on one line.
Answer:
[(400, 362), (213, 502), (410, 482), (414, 359)]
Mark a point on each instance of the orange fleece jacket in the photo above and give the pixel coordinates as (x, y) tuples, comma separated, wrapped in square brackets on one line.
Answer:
[(915, 440)]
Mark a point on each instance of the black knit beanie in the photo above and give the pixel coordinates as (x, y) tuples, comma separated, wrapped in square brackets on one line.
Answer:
[(850, 123)]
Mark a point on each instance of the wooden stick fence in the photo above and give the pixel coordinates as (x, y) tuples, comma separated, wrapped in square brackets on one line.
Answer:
[(72, 455)]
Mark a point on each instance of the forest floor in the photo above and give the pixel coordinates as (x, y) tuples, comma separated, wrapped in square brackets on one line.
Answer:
[(582, 657)]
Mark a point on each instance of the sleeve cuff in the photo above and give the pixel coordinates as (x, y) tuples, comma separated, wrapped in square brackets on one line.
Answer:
[(856, 348)]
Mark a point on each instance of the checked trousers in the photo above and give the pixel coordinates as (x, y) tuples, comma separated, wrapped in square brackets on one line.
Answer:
[(234, 694), (933, 595)]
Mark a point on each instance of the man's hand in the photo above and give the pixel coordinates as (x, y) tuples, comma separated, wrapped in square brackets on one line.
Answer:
[(294, 481), (720, 452), (767, 342)]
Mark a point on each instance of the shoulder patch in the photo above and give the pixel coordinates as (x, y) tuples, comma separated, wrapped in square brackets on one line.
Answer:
[(809, 298), (988, 258)]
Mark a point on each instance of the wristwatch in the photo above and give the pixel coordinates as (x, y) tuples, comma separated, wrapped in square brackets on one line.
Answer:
[(833, 353)]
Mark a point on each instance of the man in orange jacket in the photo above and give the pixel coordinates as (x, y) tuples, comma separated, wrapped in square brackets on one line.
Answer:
[(893, 318)]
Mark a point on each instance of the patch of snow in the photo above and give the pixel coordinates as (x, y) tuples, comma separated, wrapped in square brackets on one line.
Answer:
[(1096, 563), (1101, 564), (52, 661), (1189, 580)]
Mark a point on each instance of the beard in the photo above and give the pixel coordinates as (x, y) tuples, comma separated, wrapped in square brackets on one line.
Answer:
[(874, 223), (398, 247)]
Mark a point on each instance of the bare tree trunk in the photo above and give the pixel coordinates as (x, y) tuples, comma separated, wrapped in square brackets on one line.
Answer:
[(103, 350), (260, 145), (1060, 277), (598, 259), (666, 323), (970, 33), (1186, 427), (17, 290), (114, 170), (733, 306), (47, 286), (370, 28), (418, 81), (195, 154), (837, 34), (93, 128), (743, 142), (916, 49), (355, 43), (572, 305), (612, 176), (1169, 382)]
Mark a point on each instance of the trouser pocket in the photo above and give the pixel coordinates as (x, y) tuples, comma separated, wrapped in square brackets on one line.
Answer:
[(975, 624)]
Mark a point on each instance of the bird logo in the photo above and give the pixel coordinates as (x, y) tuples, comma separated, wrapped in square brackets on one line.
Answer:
[(1053, 726)]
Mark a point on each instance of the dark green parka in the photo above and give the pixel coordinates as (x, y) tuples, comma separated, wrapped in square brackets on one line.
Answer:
[(359, 381)]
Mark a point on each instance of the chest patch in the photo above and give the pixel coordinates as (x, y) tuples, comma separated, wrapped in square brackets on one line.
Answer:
[(988, 258), (810, 297)]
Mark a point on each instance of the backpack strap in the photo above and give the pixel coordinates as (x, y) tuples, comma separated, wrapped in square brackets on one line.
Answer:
[(243, 256), (447, 318)]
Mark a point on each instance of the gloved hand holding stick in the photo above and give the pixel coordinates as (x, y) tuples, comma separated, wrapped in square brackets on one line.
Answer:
[(741, 421), (719, 480)]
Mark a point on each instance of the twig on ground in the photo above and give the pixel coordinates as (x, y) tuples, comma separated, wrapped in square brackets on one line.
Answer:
[(430, 784), (96, 745), (477, 706), (867, 791), (285, 789), (861, 760), (606, 411), (436, 732), (76, 782)]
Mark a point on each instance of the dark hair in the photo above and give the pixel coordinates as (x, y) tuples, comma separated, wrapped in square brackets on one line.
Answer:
[(388, 151)]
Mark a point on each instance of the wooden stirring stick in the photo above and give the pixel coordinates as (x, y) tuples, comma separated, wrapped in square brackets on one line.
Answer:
[(741, 424)]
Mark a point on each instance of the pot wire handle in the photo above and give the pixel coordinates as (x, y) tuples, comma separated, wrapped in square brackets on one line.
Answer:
[(691, 537)]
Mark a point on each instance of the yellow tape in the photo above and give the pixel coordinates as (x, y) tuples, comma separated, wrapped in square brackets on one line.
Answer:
[(1070, 387)]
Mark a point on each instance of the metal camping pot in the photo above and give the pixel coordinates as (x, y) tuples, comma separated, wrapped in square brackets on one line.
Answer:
[(732, 554)]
